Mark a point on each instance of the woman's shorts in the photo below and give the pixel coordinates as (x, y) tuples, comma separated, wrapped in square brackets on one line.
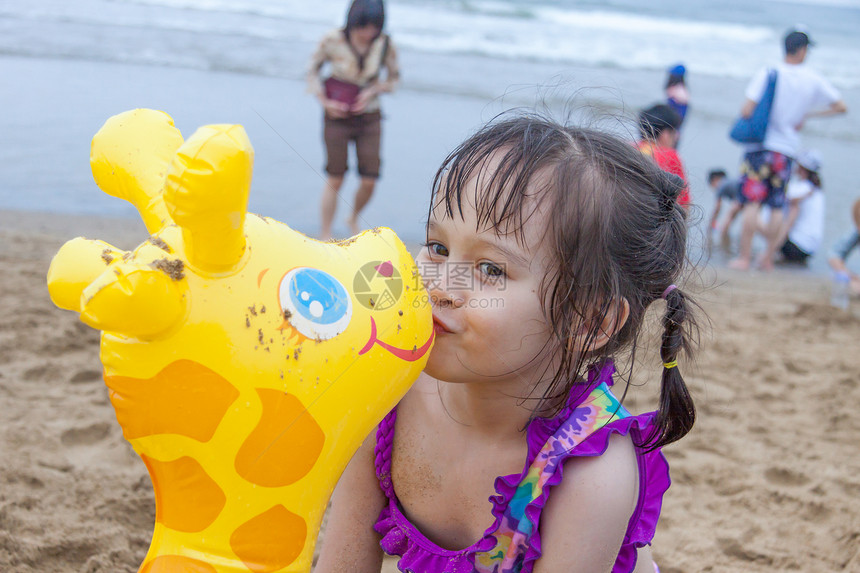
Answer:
[(764, 175), (365, 131)]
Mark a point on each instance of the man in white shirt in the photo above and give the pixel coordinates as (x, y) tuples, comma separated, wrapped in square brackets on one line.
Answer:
[(801, 93)]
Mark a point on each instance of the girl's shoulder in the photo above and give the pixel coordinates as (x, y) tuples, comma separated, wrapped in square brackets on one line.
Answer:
[(419, 395), (591, 508), (416, 409), (587, 474)]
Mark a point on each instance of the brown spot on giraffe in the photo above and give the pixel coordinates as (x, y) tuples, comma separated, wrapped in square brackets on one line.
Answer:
[(181, 506), (270, 541), (173, 563), (166, 398), (284, 446)]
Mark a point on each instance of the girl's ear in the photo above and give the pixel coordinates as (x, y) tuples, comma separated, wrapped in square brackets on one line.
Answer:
[(592, 336)]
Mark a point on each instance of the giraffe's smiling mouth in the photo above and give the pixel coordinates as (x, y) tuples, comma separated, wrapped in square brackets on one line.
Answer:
[(409, 355)]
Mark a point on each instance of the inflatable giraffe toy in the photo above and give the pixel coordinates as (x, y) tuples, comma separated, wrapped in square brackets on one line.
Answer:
[(245, 362)]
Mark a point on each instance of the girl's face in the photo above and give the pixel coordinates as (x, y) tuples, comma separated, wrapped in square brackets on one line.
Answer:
[(364, 34), (484, 290)]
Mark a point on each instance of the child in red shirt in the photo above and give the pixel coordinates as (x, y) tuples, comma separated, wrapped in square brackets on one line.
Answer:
[(658, 126)]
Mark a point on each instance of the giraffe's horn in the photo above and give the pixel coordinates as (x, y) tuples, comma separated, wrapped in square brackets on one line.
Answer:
[(207, 195), (129, 157)]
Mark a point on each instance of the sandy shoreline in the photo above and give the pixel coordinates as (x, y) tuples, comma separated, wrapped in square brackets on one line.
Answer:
[(767, 481)]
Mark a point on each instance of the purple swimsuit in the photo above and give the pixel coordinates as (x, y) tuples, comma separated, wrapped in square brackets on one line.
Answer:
[(512, 543)]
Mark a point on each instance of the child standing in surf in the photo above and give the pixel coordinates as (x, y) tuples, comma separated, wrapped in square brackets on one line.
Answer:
[(569, 235)]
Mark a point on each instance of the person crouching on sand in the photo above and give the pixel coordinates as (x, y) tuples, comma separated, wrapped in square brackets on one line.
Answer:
[(725, 189)]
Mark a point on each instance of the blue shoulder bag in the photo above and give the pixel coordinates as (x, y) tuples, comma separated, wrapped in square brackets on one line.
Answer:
[(752, 129)]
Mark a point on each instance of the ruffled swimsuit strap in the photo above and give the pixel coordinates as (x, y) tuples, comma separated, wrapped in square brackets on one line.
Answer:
[(521, 499), (382, 451)]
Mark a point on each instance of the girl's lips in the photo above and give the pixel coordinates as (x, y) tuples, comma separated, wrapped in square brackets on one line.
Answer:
[(439, 326)]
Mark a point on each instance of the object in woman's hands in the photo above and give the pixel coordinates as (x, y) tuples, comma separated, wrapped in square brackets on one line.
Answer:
[(344, 92)]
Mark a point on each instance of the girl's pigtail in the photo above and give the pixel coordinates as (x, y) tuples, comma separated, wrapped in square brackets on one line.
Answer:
[(677, 413)]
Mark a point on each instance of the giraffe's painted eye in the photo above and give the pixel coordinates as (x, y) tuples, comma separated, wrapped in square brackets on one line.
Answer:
[(318, 305)]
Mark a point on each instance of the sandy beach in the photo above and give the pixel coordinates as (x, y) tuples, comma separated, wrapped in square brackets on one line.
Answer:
[(769, 478), (767, 481)]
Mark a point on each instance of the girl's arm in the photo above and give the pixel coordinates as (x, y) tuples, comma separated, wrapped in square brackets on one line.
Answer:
[(349, 542), (584, 522)]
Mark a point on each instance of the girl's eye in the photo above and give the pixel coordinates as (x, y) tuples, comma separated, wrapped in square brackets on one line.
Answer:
[(491, 270), (437, 249)]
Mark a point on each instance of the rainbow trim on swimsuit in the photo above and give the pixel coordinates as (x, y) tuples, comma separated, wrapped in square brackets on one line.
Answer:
[(515, 528)]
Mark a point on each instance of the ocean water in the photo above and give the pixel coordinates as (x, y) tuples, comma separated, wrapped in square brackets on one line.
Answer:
[(728, 38), (68, 65)]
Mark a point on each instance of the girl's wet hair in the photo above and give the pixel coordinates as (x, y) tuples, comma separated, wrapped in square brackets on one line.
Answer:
[(364, 12), (616, 232)]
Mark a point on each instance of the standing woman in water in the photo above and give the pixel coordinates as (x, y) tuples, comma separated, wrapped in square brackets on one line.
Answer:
[(356, 55)]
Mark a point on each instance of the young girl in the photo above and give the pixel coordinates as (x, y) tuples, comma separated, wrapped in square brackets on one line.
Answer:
[(545, 246)]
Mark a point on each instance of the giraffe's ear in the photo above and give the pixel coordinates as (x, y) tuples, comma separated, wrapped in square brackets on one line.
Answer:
[(75, 266), (129, 157), (137, 301), (206, 194)]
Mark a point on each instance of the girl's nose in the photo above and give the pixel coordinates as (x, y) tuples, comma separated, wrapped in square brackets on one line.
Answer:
[(444, 297), (441, 293)]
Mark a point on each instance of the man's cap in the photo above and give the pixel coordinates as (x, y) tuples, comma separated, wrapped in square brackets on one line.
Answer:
[(809, 159), (797, 38)]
